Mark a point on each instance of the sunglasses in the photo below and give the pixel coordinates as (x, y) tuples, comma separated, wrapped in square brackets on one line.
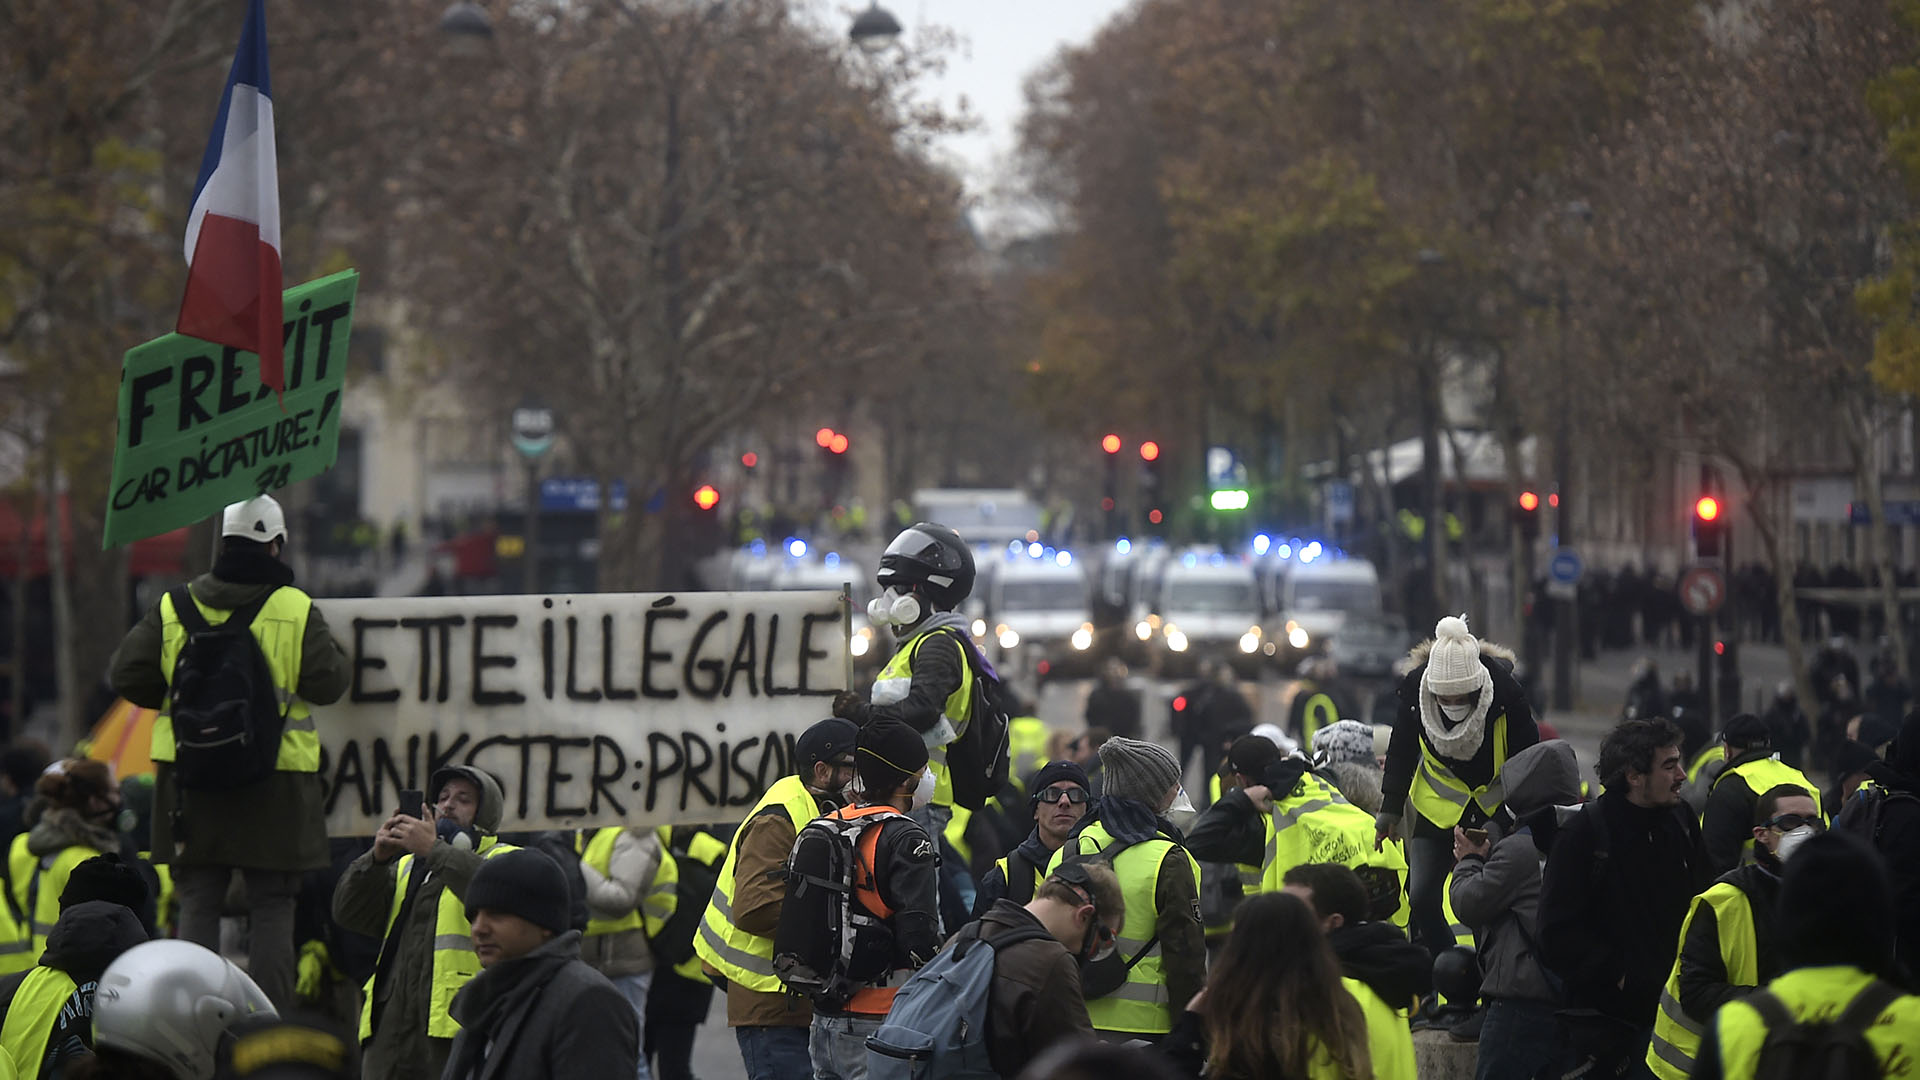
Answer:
[(1790, 822), (1074, 795)]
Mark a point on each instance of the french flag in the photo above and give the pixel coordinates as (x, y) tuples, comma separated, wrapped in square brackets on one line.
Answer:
[(233, 233)]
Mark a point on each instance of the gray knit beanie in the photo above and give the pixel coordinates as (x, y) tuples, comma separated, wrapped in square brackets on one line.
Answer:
[(1345, 740), (1137, 770)]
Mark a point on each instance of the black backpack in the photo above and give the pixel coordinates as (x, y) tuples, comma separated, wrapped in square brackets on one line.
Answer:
[(978, 760), (1863, 814), (1834, 1049), (673, 945), (1101, 977), (223, 700), (826, 946)]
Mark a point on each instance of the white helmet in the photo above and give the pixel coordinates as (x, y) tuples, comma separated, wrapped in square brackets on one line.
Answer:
[(172, 1002), (259, 518)]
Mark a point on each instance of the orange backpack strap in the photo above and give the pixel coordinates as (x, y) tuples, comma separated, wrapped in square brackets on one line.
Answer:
[(866, 883)]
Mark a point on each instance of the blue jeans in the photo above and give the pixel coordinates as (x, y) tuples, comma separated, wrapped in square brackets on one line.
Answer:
[(1518, 1040), (774, 1053), (838, 1046), (634, 989)]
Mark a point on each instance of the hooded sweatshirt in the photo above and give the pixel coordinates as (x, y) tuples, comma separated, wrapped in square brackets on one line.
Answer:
[(1499, 895), (88, 937), (403, 977), (1379, 954)]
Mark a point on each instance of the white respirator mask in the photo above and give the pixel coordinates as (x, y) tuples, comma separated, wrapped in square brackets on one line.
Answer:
[(1457, 713), (1791, 840), (894, 608), (922, 792)]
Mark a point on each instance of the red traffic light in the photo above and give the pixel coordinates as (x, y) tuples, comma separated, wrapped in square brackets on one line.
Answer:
[(706, 497), (1707, 508), (838, 444), (1553, 500), (1154, 516), (1719, 648), (1149, 451), (823, 437), (1106, 504), (1529, 501), (1111, 444), (1180, 703), (749, 459)]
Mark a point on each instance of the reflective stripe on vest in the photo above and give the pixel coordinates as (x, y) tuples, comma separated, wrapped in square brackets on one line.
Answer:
[(454, 962), (1763, 775), (1319, 713), (281, 629), (1462, 933), (38, 882), (743, 958), (1441, 797), (1676, 1036), (599, 855), (1141, 1004), (1825, 992), (1317, 824), (36, 1004), (891, 687), (1704, 758)]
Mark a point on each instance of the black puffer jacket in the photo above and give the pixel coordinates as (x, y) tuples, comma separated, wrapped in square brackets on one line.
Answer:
[(1403, 754)]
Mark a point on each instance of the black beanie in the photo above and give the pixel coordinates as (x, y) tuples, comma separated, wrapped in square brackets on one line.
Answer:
[(1746, 732), (524, 883), (1835, 906), (888, 753), (1251, 754), (105, 877), (1056, 772)]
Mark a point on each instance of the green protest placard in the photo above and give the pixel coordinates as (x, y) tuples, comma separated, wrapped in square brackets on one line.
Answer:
[(199, 431)]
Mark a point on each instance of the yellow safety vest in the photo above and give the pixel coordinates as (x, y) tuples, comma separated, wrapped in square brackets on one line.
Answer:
[(1320, 712), (1441, 797), (657, 901), (891, 687), (956, 834), (454, 961), (1763, 775), (1141, 1004), (743, 958), (37, 885), (16, 937), (1462, 933), (1317, 824), (1676, 1036), (1824, 992), (1704, 758), (1026, 746), (30, 1018), (1389, 1039), (280, 628)]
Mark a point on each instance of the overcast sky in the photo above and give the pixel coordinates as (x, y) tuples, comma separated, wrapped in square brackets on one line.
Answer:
[(1002, 41)]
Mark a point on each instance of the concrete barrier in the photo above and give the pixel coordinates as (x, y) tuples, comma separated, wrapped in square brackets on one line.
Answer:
[(1439, 1056)]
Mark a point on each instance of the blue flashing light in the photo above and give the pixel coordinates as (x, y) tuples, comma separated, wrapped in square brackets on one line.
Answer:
[(1314, 551), (1123, 545), (1285, 551), (1216, 559), (797, 548), (832, 560), (1034, 549), (759, 548), (1261, 543), (1064, 558), (1189, 560), (1013, 546)]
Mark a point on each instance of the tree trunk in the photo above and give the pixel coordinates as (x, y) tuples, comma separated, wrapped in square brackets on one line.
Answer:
[(1435, 481), (1781, 561), (1867, 474), (65, 677), (17, 611)]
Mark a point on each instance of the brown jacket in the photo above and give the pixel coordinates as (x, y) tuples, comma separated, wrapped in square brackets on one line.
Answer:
[(1035, 1001), (758, 892)]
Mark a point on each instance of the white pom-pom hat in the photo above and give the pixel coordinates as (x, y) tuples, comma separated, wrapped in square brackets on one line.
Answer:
[(1453, 663)]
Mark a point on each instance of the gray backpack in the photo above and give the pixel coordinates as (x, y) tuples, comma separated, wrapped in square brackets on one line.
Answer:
[(937, 1028)]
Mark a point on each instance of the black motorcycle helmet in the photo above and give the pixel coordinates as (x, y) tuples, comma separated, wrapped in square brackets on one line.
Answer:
[(931, 560)]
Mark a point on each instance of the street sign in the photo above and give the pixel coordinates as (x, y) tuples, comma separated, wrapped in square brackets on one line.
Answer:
[(1702, 590), (1563, 574), (1339, 502), (578, 494), (532, 430), (1899, 512)]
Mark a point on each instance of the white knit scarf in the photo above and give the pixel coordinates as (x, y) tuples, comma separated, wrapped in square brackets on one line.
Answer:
[(1460, 741)]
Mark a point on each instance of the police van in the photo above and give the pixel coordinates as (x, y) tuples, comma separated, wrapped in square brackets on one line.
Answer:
[(1315, 594), (1204, 603)]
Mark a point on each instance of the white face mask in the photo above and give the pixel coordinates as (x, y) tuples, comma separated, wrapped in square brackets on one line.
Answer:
[(894, 608), (922, 793), (1791, 840), (1457, 713), (1180, 813)]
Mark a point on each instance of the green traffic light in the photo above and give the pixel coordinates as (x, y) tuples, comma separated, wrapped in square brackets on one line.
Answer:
[(1230, 499)]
